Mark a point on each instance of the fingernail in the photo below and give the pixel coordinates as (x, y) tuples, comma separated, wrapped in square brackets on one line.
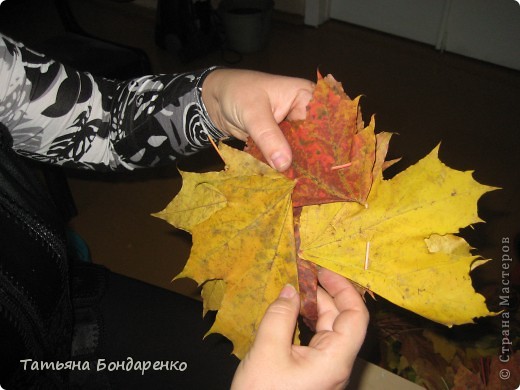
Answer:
[(288, 291), (280, 161)]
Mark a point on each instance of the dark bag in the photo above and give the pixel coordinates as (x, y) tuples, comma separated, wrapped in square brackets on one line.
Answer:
[(35, 307)]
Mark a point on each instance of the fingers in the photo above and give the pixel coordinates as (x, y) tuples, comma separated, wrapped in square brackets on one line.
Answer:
[(286, 99), (327, 311), (243, 103), (298, 110), (340, 308), (268, 137), (342, 319), (277, 326), (345, 295)]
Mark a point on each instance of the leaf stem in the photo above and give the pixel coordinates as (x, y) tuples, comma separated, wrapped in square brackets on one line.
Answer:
[(336, 167), (367, 251), (215, 147)]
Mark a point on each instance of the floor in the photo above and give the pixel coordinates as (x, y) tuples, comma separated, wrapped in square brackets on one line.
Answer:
[(425, 96)]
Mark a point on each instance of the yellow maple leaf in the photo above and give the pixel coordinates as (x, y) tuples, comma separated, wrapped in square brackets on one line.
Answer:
[(242, 231), (401, 246), (199, 198), (212, 294)]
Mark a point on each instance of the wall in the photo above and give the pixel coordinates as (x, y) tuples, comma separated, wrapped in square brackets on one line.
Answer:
[(487, 30), (290, 6)]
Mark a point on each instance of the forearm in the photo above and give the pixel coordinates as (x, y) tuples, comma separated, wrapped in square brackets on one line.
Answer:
[(61, 116)]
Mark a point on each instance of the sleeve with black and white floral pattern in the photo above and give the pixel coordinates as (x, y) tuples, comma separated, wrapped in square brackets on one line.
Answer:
[(61, 116)]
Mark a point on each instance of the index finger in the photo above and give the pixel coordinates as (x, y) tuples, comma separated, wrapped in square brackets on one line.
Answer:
[(342, 291)]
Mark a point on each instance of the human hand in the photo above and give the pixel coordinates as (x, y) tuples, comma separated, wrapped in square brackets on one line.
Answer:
[(243, 102), (273, 362)]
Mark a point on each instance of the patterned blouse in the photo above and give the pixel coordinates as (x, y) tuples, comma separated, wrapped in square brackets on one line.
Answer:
[(58, 115)]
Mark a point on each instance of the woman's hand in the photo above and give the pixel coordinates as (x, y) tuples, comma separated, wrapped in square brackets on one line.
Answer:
[(242, 103), (275, 363)]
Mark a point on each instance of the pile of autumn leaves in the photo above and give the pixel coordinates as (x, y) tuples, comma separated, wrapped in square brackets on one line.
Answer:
[(255, 230)]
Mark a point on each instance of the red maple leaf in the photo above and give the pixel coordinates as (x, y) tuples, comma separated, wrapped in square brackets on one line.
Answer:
[(333, 153)]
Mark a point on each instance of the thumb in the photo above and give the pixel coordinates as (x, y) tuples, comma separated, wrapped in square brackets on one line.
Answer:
[(276, 329), (267, 135)]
